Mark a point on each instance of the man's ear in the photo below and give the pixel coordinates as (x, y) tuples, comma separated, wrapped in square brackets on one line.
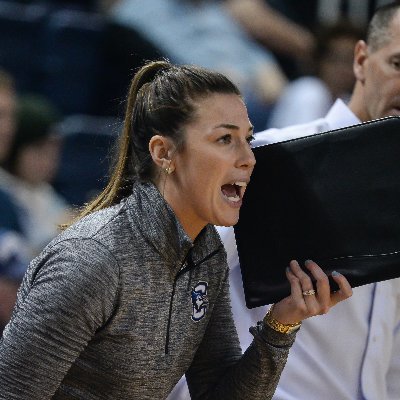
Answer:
[(360, 58), (161, 149)]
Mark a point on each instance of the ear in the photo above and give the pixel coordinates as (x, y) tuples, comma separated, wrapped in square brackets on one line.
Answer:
[(360, 58), (161, 149)]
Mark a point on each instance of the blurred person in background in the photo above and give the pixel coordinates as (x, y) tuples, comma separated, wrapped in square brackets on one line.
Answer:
[(310, 97), (13, 257), (311, 14), (31, 165), (285, 37), (9, 218), (202, 32)]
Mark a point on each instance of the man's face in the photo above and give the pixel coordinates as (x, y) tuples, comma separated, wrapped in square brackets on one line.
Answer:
[(7, 121), (379, 73)]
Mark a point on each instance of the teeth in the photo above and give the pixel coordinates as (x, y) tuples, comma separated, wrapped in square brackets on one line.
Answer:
[(242, 184), (234, 199)]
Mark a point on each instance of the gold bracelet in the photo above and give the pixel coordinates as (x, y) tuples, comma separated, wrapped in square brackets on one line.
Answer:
[(278, 326)]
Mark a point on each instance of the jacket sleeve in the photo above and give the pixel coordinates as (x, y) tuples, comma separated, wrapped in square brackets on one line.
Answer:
[(219, 371), (67, 294)]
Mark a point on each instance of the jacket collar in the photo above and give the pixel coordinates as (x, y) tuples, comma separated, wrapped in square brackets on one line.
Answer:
[(157, 222)]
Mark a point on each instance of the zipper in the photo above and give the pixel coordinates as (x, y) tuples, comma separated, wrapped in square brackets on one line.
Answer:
[(172, 298), (189, 266)]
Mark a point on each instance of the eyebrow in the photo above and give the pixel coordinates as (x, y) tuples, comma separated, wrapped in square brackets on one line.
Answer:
[(231, 126)]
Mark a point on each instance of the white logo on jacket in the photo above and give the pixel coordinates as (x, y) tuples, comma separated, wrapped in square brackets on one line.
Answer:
[(199, 301)]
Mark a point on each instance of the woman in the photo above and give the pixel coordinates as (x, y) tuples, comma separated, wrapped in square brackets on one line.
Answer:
[(135, 294), (31, 165)]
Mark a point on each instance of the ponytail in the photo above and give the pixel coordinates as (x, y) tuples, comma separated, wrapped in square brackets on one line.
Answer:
[(123, 172)]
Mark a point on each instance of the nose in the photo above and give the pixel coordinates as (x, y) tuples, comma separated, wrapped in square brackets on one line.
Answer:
[(246, 159)]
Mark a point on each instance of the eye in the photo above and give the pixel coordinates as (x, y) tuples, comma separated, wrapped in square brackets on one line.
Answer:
[(250, 138), (395, 63), (226, 139)]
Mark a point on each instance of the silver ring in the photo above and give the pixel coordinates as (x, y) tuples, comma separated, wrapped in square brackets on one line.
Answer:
[(310, 292)]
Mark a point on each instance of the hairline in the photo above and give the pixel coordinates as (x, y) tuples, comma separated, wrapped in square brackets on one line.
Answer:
[(379, 32)]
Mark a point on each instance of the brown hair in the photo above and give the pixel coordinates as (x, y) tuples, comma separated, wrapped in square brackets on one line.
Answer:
[(161, 101)]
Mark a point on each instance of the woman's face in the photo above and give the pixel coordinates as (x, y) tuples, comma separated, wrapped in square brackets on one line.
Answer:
[(212, 169)]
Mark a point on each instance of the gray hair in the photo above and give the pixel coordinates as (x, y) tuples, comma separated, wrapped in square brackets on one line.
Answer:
[(378, 32)]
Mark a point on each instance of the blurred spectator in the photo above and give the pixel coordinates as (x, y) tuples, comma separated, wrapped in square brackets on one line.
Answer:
[(203, 33), (274, 30), (310, 14), (13, 257), (310, 97), (31, 164), (8, 209)]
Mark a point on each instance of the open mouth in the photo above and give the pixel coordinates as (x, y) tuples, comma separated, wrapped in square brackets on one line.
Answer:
[(234, 191), (395, 111)]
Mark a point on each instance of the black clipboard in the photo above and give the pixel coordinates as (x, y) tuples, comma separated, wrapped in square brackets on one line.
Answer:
[(332, 197)]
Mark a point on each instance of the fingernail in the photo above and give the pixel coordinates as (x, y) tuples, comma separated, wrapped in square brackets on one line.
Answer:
[(335, 273), (308, 261), (287, 269)]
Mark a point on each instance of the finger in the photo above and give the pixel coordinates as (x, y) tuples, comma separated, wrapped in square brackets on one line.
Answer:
[(322, 284), (304, 279), (310, 301), (345, 290), (295, 286)]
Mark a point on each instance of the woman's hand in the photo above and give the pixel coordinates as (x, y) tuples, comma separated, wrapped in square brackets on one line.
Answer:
[(304, 301)]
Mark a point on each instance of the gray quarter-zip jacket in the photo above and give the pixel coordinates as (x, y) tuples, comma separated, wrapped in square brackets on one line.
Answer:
[(122, 304)]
